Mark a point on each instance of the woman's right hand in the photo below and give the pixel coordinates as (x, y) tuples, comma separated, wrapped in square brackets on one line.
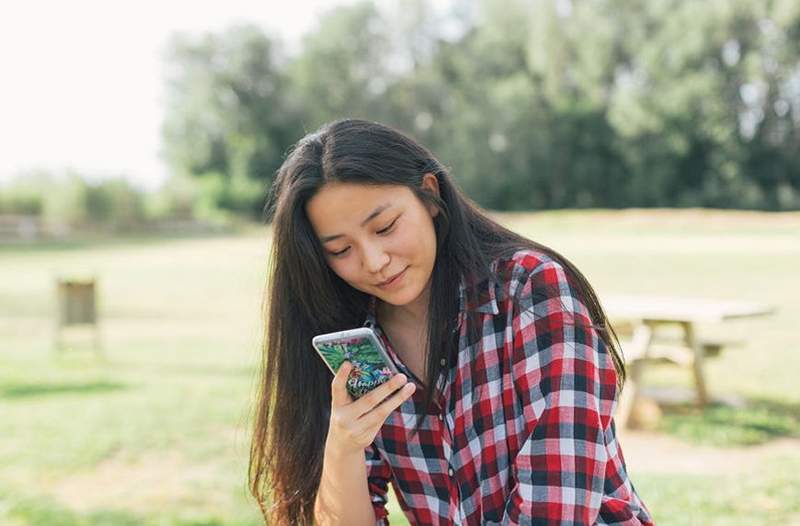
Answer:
[(354, 424)]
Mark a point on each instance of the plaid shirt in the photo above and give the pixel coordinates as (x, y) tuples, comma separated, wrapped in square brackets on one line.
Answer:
[(526, 435)]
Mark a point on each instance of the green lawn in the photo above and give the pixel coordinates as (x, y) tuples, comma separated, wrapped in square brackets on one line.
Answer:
[(157, 432)]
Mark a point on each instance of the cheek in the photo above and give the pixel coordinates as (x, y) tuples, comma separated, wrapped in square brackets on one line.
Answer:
[(423, 239), (349, 270), (403, 247), (342, 268)]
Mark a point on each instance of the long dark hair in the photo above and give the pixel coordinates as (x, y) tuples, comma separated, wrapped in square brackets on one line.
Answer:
[(305, 297)]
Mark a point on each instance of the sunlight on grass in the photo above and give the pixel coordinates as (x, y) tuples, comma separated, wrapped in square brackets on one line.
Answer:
[(769, 496), (724, 426), (156, 432)]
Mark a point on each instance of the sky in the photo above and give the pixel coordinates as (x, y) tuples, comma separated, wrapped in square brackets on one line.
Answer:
[(82, 80)]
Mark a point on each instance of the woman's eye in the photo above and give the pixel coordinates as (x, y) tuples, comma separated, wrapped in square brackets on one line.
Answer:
[(388, 228), (382, 231)]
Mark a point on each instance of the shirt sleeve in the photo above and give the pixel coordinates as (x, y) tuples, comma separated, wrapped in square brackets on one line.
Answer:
[(378, 474), (566, 384)]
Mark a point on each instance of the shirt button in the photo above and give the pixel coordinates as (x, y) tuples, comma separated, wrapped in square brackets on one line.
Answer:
[(450, 472), (441, 418)]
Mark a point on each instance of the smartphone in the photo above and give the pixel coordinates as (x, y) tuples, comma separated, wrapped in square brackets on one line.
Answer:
[(363, 348)]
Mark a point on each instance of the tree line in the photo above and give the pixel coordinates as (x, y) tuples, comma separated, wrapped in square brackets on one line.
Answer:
[(532, 104)]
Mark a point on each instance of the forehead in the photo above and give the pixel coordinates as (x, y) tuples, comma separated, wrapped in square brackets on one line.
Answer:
[(343, 205)]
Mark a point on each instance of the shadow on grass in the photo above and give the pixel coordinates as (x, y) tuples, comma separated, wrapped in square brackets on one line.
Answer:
[(33, 390), (43, 246), (752, 422), (90, 241), (187, 369)]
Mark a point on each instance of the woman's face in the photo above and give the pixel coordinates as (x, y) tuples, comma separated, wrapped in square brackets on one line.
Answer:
[(373, 233)]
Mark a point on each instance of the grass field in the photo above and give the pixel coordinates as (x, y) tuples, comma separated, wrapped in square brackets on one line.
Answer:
[(156, 432)]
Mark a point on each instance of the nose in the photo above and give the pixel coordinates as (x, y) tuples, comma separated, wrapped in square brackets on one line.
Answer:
[(374, 258)]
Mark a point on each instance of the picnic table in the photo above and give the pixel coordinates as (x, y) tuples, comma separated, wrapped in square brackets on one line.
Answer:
[(645, 316)]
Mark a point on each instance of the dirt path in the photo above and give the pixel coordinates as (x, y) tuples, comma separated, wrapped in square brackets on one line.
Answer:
[(155, 480), (151, 482), (657, 453)]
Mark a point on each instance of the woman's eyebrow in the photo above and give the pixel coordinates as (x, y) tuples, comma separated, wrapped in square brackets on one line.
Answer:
[(371, 216)]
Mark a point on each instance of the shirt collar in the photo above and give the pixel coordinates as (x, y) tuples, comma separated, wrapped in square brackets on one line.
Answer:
[(487, 301)]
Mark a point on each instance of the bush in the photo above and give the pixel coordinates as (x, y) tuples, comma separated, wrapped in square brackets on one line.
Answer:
[(22, 203), (68, 199)]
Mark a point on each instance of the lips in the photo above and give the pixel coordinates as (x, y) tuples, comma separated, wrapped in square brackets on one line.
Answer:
[(392, 278)]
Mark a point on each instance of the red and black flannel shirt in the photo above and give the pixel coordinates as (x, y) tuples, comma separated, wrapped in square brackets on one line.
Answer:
[(526, 434)]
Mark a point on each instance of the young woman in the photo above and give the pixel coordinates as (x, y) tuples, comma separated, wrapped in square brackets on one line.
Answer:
[(510, 372)]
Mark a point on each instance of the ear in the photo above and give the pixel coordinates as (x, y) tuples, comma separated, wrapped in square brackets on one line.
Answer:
[(430, 184)]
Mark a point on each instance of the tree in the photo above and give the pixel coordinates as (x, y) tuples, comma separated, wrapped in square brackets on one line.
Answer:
[(534, 104), (229, 113)]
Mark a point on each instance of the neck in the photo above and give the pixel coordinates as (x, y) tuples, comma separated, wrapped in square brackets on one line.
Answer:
[(413, 314)]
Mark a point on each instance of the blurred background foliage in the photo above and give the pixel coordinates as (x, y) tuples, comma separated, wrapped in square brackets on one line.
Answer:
[(612, 103), (534, 105), (601, 103)]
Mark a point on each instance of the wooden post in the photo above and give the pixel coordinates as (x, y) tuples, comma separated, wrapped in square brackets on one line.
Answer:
[(636, 355), (77, 306), (698, 362)]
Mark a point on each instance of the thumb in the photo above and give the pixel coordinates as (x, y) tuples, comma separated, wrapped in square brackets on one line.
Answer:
[(339, 394)]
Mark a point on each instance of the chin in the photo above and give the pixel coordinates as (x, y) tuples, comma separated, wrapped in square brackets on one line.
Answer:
[(400, 297), (398, 300)]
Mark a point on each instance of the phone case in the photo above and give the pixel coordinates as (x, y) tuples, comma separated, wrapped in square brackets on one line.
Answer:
[(362, 347)]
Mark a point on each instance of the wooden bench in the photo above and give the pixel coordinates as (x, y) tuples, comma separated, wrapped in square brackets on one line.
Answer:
[(641, 324), (676, 353)]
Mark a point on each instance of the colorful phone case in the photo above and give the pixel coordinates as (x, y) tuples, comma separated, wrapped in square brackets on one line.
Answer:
[(362, 347)]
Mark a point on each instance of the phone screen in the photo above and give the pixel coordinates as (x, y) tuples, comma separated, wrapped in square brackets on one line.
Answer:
[(361, 347)]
